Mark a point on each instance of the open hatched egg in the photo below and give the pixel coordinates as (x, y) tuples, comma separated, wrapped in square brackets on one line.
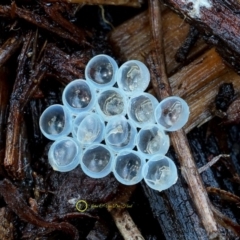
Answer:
[(97, 161), (100, 71), (133, 76), (120, 133), (141, 108), (152, 140), (91, 129), (78, 96), (111, 102), (64, 154), (172, 113), (160, 172), (127, 167), (55, 122)]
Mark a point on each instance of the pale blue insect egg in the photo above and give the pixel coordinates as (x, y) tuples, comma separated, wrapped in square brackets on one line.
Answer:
[(97, 161), (55, 122), (64, 154), (160, 172), (127, 167)]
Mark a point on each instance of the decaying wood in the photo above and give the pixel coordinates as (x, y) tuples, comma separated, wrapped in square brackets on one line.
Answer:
[(202, 100), (197, 82), (197, 74), (14, 200), (127, 3), (175, 213), (43, 22), (54, 11), (133, 40), (218, 20), (8, 48), (65, 67), (178, 138)]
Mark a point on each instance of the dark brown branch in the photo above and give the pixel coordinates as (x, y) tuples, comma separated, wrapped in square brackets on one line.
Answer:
[(179, 140), (54, 13), (41, 22), (23, 89), (9, 48), (224, 195), (65, 67)]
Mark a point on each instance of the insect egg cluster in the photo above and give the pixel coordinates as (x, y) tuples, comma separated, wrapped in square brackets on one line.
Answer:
[(107, 123)]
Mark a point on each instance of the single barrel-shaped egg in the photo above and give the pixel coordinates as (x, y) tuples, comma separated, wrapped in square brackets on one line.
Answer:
[(127, 167), (160, 172), (64, 154), (172, 113), (111, 102), (78, 96), (97, 161), (55, 122), (152, 140), (120, 133), (77, 121), (91, 129), (100, 71), (133, 76), (141, 108)]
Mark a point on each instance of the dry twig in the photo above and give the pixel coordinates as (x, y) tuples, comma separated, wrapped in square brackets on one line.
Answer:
[(125, 224), (213, 161)]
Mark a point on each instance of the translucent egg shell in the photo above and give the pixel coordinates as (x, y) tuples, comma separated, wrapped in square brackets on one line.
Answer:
[(127, 167), (91, 129), (97, 161), (100, 71), (133, 76), (120, 133), (160, 172), (78, 96), (172, 113), (64, 154), (55, 122), (152, 140), (141, 108), (111, 102), (77, 121)]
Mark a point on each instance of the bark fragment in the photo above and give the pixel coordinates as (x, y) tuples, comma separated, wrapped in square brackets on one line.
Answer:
[(6, 226), (218, 21), (14, 200)]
